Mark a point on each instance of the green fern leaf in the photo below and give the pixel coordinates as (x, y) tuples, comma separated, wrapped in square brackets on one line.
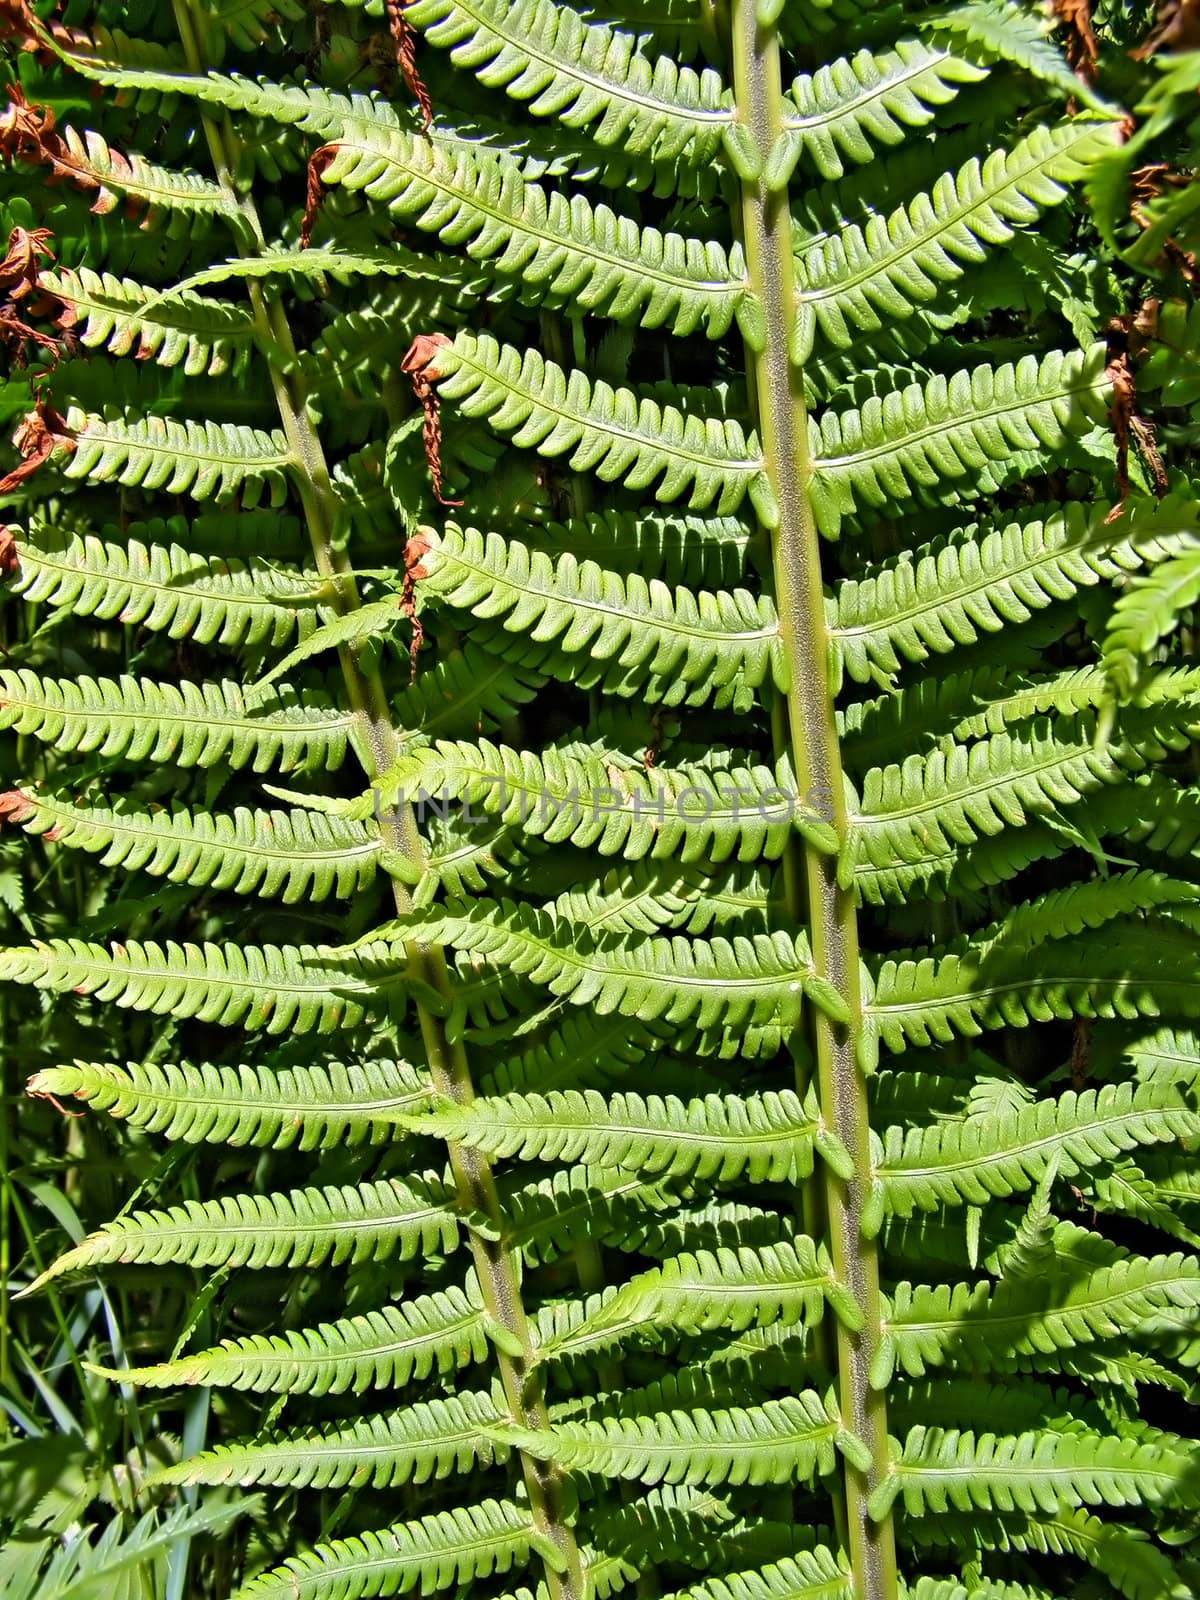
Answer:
[(758, 979), (611, 432), (1005, 31), (1146, 612), (946, 429), (292, 855), (692, 641), (1004, 1152), (1078, 1303), (789, 1282), (941, 1467), (1121, 974), (766, 1138), (387, 1219), (279, 989), (383, 1349), (780, 1441), (952, 592), (205, 337), (816, 1574), (208, 460), (167, 589), (614, 807), (303, 1107), (563, 249), (854, 104), (187, 724), (431, 1439), (867, 277), (583, 74), (438, 1551)]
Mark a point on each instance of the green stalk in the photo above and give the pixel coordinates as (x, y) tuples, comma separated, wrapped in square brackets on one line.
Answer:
[(497, 1270), (833, 925)]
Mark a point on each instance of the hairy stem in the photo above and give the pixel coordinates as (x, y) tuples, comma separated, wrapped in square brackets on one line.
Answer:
[(497, 1269), (833, 927)]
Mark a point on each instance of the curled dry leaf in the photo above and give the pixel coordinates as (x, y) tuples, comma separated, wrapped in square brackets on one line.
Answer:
[(406, 56), (38, 435), (27, 133), (1082, 53), (14, 805), (317, 163), (18, 25), (413, 573), (419, 363)]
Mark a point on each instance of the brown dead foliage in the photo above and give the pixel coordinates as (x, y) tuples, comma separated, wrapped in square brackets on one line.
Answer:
[(406, 56), (38, 435), (420, 364), (1127, 339), (1176, 27), (27, 133), (413, 573), (317, 163), (1082, 53)]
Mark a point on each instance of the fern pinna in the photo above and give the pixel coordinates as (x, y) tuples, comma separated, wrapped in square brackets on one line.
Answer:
[(624, 535)]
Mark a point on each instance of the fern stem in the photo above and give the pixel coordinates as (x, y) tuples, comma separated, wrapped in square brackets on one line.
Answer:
[(495, 1265), (833, 926)]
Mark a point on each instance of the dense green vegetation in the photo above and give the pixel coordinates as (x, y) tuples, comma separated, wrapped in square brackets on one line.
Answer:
[(600, 824)]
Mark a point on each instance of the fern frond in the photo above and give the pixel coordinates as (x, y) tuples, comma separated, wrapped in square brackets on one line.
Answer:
[(611, 432), (1005, 31), (816, 1574), (1008, 1150), (272, 987), (765, 1138), (562, 249), (291, 1107), (582, 73), (945, 429), (854, 104), (1129, 1561), (780, 1441), (206, 337), (789, 1282), (942, 1467), (692, 640), (952, 592), (1077, 1303), (1126, 1190), (251, 23), (208, 460), (934, 803), (868, 277), (290, 855), (617, 808), (187, 724), (1147, 611), (166, 588), (649, 898), (431, 1439), (391, 1218), (439, 1551), (380, 1349), (549, 1216), (1124, 974), (758, 979), (180, 202)]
